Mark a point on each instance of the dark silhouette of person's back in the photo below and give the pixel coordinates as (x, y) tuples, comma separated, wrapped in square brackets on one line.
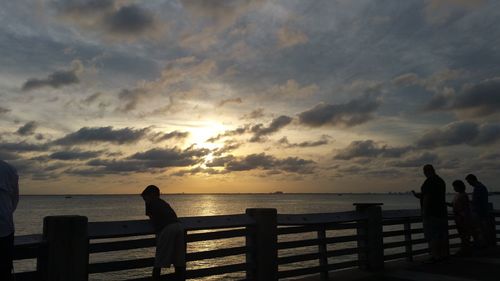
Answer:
[(9, 197)]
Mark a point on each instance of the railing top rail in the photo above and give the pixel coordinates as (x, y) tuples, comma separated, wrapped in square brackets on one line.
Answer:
[(111, 229), (28, 240), (396, 214), (319, 218)]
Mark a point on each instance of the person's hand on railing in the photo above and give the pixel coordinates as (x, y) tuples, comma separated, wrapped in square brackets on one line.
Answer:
[(418, 195)]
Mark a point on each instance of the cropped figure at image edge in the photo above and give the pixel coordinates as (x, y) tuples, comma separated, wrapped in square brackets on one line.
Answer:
[(9, 197)]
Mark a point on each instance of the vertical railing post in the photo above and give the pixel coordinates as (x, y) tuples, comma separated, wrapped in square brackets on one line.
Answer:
[(322, 250), (408, 242), (491, 237), (262, 242), (371, 237), (67, 254)]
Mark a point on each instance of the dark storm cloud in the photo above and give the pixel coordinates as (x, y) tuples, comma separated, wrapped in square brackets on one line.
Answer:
[(87, 135), (27, 129), (369, 148), (170, 157), (22, 147), (220, 161), (130, 20), (110, 16), (56, 79), (461, 132), (354, 112), (480, 99), (153, 160), (269, 162), (37, 170), (117, 166), (323, 141), (417, 160), (74, 155), (260, 131), (475, 99), (5, 155), (438, 102), (172, 135)]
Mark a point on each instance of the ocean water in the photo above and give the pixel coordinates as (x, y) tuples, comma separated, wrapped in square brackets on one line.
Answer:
[(32, 209)]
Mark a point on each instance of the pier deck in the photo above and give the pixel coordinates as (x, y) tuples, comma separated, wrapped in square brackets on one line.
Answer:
[(484, 266)]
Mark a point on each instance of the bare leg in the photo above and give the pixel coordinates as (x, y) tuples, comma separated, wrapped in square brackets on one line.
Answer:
[(156, 273)]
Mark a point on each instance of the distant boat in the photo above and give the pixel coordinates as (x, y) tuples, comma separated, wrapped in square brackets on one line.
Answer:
[(68, 197), (278, 192)]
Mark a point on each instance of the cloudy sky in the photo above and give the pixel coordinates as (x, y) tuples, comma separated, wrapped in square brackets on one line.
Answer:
[(107, 96)]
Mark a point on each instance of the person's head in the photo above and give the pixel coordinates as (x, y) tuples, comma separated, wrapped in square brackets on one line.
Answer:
[(459, 186), (150, 192), (471, 179), (429, 170)]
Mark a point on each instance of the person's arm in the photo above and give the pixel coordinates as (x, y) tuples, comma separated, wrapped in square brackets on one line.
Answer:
[(148, 210), (418, 195)]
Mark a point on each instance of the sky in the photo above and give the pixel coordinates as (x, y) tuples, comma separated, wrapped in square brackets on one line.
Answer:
[(108, 96)]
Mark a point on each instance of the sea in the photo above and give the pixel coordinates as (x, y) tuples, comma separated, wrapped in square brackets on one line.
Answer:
[(33, 208)]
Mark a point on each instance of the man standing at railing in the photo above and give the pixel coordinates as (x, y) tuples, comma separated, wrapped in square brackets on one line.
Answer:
[(170, 243), (434, 213), (9, 196)]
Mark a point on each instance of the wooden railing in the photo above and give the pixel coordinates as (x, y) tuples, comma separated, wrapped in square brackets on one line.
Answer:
[(404, 235), (223, 227), (293, 247), (264, 244)]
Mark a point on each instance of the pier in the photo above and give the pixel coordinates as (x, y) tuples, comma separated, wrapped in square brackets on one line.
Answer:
[(368, 242)]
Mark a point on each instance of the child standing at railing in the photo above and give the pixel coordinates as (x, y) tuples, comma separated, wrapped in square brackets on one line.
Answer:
[(462, 213), (170, 243)]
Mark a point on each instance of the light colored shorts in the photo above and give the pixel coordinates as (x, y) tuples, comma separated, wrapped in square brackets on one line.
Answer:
[(171, 246)]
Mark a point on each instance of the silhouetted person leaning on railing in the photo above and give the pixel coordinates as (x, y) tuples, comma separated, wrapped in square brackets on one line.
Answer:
[(170, 243), (434, 214), (9, 197)]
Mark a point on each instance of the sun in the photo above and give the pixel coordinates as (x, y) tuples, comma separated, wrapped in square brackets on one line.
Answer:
[(207, 130)]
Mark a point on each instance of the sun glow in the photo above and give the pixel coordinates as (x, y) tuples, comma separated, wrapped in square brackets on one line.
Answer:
[(201, 134)]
